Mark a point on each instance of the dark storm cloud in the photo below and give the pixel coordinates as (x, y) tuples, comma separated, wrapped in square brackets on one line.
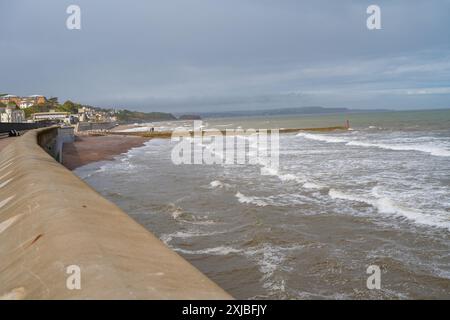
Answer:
[(236, 54)]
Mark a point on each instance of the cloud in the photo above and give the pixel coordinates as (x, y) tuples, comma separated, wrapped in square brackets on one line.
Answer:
[(236, 54)]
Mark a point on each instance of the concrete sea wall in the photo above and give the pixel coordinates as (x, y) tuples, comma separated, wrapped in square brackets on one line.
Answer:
[(52, 223), (88, 126), (52, 140), (6, 126)]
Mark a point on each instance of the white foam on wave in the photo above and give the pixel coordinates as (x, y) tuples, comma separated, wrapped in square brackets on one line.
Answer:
[(313, 185), (388, 206), (251, 200), (426, 148), (221, 251), (288, 177), (269, 259), (176, 213), (269, 171), (224, 125), (318, 137), (216, 184), (166, 238), (434, 151), (291, 177)]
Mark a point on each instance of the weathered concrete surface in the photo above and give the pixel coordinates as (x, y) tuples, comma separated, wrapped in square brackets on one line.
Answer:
[(50, 219), (5, 141)]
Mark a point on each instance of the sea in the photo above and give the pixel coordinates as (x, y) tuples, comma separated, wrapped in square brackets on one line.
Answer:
[(340, 205)]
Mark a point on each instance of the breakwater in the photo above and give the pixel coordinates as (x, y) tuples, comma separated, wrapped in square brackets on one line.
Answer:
[(95, 126), (213, 132)]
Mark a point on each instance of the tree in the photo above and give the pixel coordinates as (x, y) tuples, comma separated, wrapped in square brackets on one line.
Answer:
[(30, 110), (70, 107), (12, 104), (53, 102)]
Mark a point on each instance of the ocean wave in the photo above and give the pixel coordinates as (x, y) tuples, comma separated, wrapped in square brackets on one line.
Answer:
[(375, 127), (269, 259), (388, 206), (90, 169), (217, 184), (313, 185), (286, 177), (318, 137), (433, 150), (180, 215), (224, 125), (166, 238), (251, 200), (221, 251), (176, 213)]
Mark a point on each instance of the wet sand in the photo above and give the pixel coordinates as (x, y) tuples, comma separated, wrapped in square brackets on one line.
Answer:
[(87, 149)]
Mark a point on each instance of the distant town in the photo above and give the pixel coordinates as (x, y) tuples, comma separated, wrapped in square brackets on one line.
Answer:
[(39, 108)]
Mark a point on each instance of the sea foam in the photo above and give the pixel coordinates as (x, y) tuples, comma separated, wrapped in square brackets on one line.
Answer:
[(388, 206), (251, 200), (426, 148)]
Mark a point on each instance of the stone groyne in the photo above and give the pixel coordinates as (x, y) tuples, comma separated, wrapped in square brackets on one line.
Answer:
[(60, 239), (214, 132), (94, 126)]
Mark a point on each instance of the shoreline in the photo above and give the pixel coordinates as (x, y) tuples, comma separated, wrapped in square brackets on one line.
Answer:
[(93, 148), (89, 149)]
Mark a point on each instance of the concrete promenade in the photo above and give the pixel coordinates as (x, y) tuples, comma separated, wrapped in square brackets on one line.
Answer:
[(50, 220)]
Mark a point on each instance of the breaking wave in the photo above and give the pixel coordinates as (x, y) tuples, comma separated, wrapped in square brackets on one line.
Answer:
[(426, 148), (251, 200), (388, 206)]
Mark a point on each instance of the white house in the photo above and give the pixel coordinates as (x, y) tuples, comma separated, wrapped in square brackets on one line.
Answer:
[(26, 104), (11, 114), (46, 116)]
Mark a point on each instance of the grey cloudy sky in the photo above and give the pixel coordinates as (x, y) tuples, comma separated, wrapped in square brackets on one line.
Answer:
[(216, 55)]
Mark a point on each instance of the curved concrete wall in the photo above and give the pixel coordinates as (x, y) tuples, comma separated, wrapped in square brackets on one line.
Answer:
[(6, 126), (50, 220)]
